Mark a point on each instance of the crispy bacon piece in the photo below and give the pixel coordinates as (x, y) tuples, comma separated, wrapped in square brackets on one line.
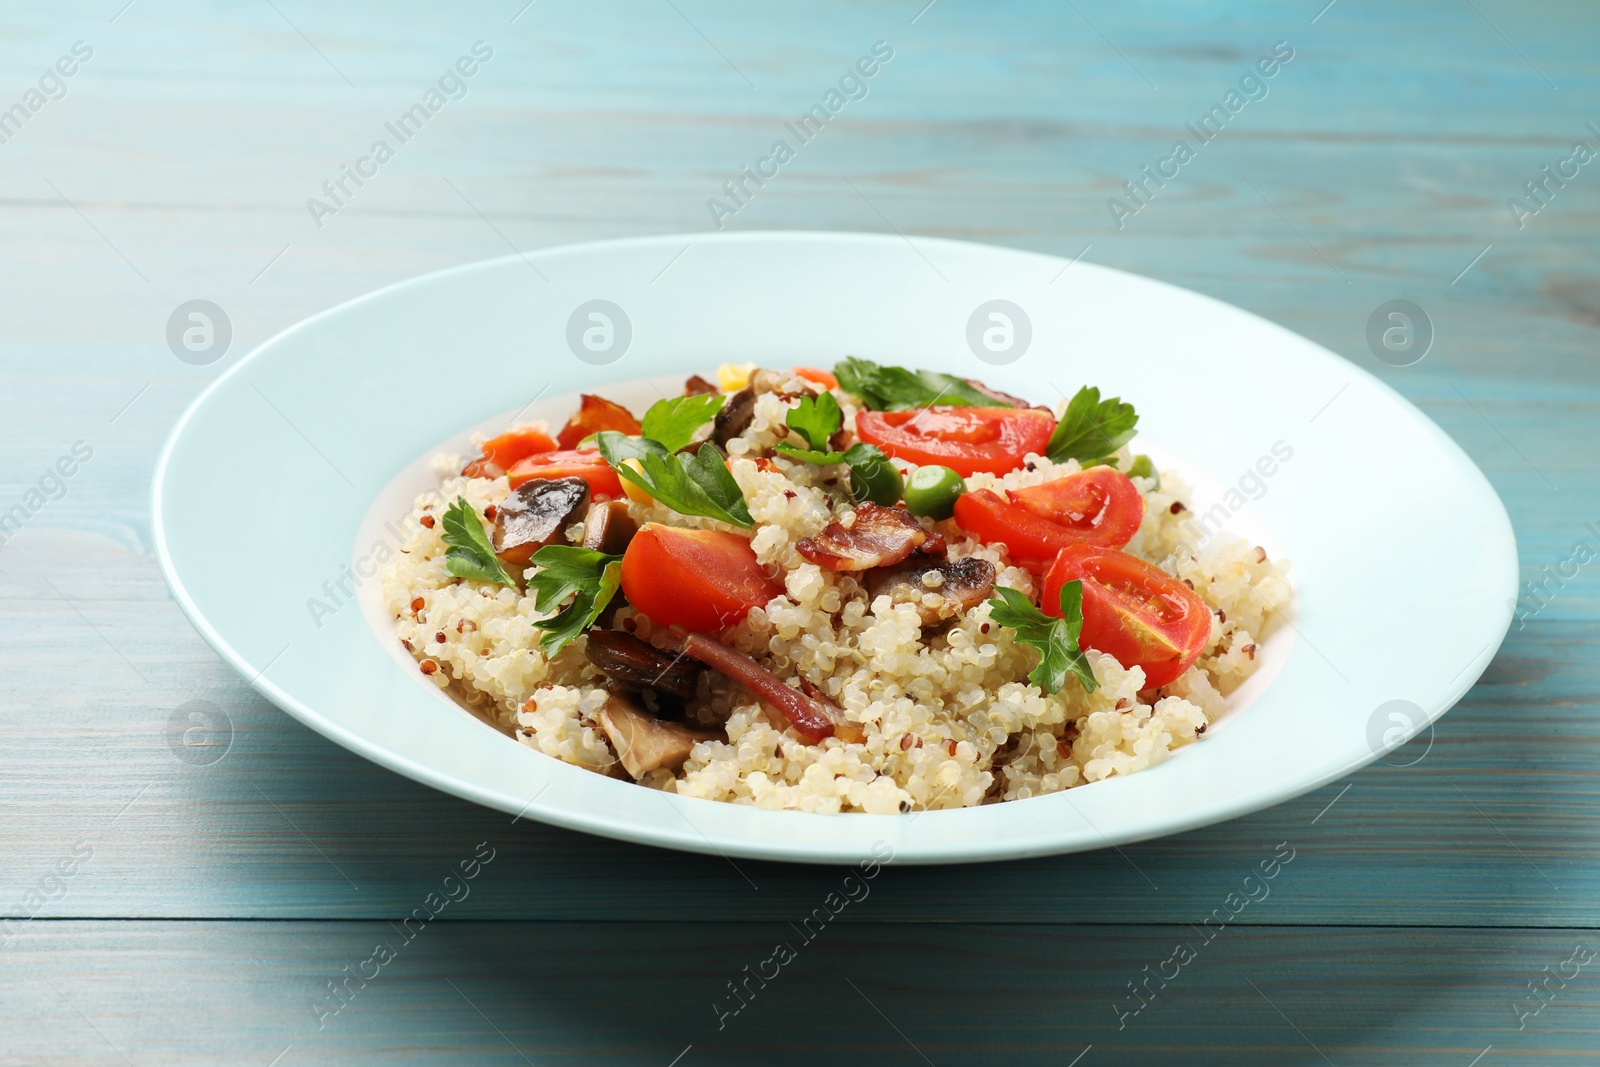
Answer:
[(1004, 398), (596, 413), (812, 717), (879, 537), (960, 585)]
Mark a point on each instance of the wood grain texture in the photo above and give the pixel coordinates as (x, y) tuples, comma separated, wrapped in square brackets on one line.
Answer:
[(578, 993), (177, 166)]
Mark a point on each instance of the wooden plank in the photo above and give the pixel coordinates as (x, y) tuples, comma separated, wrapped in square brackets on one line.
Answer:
[(1420, 903), (1496, 824), (646, 993)]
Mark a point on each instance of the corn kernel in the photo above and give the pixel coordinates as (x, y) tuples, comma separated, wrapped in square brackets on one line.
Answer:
[(732, 377)]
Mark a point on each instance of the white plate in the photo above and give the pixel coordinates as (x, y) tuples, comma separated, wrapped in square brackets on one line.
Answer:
[(276, 483)]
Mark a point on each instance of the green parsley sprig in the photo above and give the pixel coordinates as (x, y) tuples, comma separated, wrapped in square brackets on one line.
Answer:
[(468, 551), (588, 577), (673, 421), (815, 420), (1091, 430), (896, 388), (690, 484), (1056, 640)]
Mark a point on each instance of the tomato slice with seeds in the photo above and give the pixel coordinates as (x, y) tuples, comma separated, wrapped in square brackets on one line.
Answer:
[(1132, 610), (500, 453), (1030, 541), (965, 439), (596, 413), (1099, 504), (585, 463), (701, 580)]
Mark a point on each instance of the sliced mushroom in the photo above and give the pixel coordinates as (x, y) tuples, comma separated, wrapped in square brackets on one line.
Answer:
[(645, 744), (811, 716), (878, 537), (635, 664), (767, 381), (940, 589), (607, 526), (735, 416), (698, 386), (534, 515)]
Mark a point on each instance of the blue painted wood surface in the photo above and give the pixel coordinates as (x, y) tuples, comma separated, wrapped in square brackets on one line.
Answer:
[(1429, 909)]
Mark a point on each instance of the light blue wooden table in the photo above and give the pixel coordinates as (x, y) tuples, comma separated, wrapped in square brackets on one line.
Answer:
[(1441, 913)]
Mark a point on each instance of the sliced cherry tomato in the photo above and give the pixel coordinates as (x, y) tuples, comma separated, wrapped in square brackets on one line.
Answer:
[(701, 580), (1133, 610), (585, 463), (595, 414), (1031, 542), (965, 439), (500, 453), (818, 375), (1100, 505)]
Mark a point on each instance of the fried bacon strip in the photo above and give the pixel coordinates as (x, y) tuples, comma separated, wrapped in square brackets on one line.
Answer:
[(879, 537), (594, 414), (1004, 398), (812, 717)]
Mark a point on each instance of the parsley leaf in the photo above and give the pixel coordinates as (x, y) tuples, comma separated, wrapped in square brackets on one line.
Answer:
[(673, 421), (872, 476), (697, 484), (1091, 429), (469, 553), (807, 455), (1055, 639), (590, 578), (815, 419), (896, 388), (615, 447)]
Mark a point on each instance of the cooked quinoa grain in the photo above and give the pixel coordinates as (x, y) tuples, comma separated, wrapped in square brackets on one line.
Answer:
[(947, 715)]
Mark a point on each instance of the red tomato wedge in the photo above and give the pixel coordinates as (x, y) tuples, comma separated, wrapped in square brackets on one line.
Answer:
[(1133, 610), (965, 439), (499, 453), (817, 374), (596, 413), (1031, 542), (585, 463), (1100, 505), (701, 580)]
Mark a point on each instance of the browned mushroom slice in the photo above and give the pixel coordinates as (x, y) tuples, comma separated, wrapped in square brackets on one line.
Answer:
[(811, 716), (635, 664), (734, 418), (698, 386), (878, 537), (940, 589), (533, 515), (644, 744), (607, 527)]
